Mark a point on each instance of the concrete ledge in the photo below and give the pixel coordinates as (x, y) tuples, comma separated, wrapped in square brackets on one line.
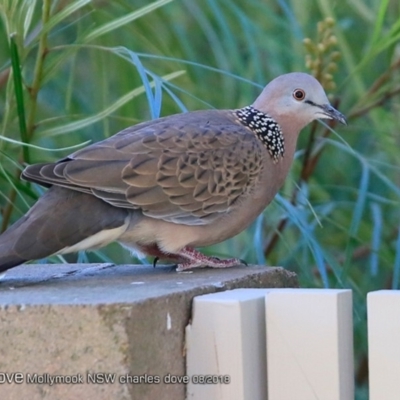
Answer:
[(79, 322)]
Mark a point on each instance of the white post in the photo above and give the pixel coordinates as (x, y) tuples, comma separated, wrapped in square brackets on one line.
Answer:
[(225, 346), (384, 344), (309, 344)]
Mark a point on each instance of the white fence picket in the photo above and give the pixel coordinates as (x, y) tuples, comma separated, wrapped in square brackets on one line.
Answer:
[(384, 344), (309, 344), (227, 339)]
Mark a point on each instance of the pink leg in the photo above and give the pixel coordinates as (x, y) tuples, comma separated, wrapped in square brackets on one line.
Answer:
[(195, 259)]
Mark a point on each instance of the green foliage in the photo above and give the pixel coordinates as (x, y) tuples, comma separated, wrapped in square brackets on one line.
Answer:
[(79, 71)]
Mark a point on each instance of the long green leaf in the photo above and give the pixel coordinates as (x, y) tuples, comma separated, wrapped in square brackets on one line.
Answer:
[(119, 22), (64, 13), (6, 139), (74, 126), (19, 95), (379, 21), (31, 5)]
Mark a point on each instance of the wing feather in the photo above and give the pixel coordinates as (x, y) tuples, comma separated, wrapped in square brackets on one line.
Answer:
[(187, 168)]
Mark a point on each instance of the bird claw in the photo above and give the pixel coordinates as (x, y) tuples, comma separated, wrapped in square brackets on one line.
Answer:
[(190, 259), (196, 259), (244, 262)]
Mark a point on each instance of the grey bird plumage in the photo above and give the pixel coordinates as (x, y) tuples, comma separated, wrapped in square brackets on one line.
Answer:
[(168, 186)]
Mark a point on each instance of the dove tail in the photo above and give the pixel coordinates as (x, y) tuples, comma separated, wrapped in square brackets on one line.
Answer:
[(8, 257), (59, 221), (10, 261)]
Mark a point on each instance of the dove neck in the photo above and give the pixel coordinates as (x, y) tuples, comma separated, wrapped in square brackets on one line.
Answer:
[(266, 129)]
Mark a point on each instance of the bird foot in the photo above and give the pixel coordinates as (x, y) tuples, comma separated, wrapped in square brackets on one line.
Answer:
[(195, 259)]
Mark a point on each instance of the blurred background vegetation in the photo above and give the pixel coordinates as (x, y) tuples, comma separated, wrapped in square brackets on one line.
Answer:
[(78, 71)]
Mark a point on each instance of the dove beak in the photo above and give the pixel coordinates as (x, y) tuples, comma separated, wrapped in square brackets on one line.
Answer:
[(332, 113), (327, 111)]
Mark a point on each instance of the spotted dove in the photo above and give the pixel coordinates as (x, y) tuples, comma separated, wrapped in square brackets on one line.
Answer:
[(165, 187)]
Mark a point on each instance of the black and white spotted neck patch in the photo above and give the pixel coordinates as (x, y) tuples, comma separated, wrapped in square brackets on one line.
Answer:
[(265, 128)]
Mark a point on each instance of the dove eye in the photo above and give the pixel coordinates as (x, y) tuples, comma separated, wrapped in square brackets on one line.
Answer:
[(299, 94)]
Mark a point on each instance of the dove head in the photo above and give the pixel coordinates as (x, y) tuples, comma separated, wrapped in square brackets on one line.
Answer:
[(294, 100)]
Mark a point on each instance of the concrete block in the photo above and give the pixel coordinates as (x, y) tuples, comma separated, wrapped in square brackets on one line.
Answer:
[(101, 331)]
